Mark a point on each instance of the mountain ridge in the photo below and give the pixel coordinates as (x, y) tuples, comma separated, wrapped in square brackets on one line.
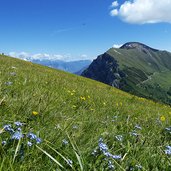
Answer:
[(68, 66), (132, 67), (137, 45)]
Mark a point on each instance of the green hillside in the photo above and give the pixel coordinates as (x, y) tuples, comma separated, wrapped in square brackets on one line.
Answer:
[(142, 71), (82, 124)]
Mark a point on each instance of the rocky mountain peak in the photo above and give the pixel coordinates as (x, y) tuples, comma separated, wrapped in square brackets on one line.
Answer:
[(138, 46)]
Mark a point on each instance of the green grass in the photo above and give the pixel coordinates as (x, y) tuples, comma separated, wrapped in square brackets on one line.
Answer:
[(148, 63), (80, 111), (163, 79)]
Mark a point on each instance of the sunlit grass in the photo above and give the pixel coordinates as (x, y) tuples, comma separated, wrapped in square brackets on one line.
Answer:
[(70, 114)]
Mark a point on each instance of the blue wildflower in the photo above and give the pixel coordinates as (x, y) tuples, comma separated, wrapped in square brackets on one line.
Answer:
[(32, 136), (4, 142), (8, 128), (138, 166), (168, 147), (133, 133), (137, 127), (107, 154), (116, 156), (65, 142), (75, 127), (114, 118), (69, 162), (103, 147), (110, 165), (8, 83), (17, 135), (94, 152), (18, 123), (38, 140), (168, 150), (19, 129), (29, 143), (168, 128)]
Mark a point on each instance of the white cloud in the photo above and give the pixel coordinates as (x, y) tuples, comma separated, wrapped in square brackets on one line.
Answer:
[(21, 55), (114, 12), (117, 46), (59, 57), (114, 4), (13, 54), (84, 56), (44, 56), (143, 11)]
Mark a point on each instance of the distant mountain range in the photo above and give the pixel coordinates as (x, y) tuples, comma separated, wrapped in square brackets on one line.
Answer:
[(71, 66), (135, 68)]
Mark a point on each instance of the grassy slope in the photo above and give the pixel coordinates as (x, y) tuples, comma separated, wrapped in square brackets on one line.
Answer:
[(163, 78), (157, 61), (102, 111)]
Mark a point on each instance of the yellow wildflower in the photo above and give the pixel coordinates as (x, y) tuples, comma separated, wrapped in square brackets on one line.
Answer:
[(74, 106), (35, 113), (162, 118), (88, 97), (83, 98), (104, 103), (72, 94), (2, 130)]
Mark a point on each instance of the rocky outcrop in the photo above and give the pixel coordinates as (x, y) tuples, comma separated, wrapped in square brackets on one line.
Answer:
[(105, 69), (138, 46)]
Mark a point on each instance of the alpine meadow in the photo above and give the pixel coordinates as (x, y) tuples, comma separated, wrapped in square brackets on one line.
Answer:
[(52, 120)]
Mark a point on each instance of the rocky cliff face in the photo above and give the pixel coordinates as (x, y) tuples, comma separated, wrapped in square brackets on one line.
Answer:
[(105, 69)]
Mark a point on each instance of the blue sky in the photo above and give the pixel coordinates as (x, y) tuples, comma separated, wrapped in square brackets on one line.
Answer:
[(80, 29)]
